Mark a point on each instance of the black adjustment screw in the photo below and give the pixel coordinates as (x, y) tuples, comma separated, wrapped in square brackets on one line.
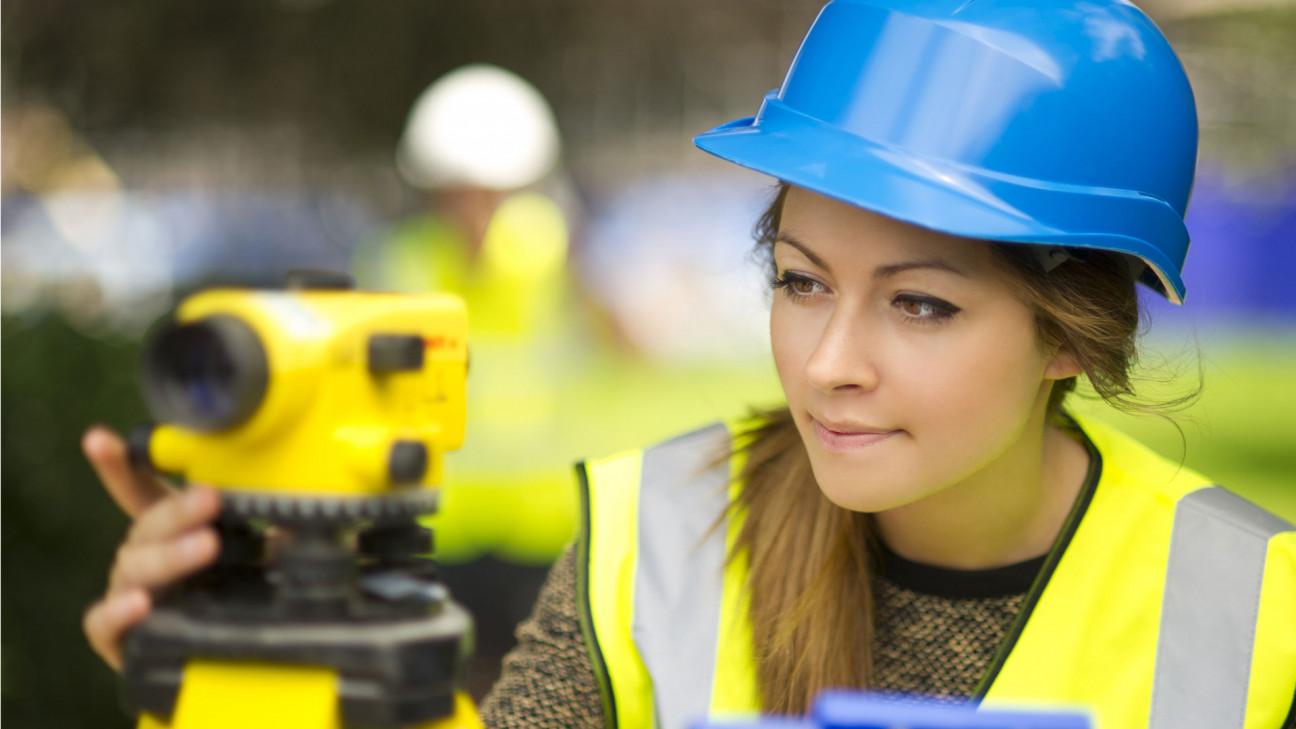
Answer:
[(395, 353), (408, 462), (394, 542), (240, 544)]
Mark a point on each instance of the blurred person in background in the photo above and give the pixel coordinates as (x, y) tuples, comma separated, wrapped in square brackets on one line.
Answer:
[(968, 194), (479, 144), (482, 147)]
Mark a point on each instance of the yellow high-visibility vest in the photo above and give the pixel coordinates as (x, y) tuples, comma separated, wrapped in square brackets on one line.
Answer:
[(1166, 603)]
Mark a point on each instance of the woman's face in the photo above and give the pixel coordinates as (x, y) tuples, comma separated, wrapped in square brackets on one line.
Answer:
[(909, 365)]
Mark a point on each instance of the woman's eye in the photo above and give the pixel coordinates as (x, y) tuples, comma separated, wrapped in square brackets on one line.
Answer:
[(796, 285), (924, 309)]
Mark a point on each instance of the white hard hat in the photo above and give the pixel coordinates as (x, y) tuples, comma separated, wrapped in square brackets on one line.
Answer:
[(479, 126)]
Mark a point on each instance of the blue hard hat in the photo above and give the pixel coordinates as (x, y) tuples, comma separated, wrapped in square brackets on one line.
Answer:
[(1065, 123)]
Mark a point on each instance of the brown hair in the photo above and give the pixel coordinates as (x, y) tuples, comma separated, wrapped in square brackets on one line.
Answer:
[(811, 605)]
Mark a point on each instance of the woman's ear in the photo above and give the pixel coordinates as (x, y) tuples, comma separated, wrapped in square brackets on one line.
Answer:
[(1063, 365)]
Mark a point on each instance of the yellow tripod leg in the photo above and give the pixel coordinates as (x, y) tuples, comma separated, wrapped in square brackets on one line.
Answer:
[(251, 695)]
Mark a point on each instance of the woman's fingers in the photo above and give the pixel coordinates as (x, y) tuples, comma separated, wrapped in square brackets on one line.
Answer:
[(175, 514), (171, 538), (133, 491), (153, 565), (107, 621)]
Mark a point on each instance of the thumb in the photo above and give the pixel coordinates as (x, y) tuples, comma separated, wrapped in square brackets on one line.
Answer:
[(133, 490)]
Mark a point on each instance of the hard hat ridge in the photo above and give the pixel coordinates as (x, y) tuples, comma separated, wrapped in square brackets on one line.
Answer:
[(1063, 123)]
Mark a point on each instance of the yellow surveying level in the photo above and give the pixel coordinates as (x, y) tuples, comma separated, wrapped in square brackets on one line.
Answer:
[(321, 413)]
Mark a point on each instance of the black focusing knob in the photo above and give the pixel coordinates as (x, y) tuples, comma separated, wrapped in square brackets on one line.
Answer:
[(395, 541), (395, 353), (137, 446), (408, 462)]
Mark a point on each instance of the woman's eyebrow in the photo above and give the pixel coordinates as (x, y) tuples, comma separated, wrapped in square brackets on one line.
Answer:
[(933, 263), (792, 241)]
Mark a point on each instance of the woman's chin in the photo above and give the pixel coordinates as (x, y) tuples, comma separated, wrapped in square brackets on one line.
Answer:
[(870, 496)]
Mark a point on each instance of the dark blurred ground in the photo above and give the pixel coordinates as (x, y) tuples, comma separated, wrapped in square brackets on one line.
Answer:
[(231, 139)]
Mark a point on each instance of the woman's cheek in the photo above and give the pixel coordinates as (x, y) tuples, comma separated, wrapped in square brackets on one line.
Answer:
[(792, 341)]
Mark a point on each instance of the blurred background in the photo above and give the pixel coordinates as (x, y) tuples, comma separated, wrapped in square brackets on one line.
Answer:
[(150, 149)]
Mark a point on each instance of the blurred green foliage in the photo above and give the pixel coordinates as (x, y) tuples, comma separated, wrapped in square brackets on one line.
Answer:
[(60, 529)]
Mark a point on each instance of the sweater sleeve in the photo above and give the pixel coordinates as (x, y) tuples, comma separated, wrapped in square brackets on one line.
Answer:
[(547, 680)]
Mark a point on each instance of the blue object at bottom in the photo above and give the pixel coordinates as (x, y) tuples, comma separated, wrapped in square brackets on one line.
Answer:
[(854, 710)]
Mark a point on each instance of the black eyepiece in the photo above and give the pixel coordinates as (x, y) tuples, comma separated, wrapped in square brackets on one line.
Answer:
[(209, 375)]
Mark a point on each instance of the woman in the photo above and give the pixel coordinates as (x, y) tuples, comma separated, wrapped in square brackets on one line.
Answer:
[(968, 193)]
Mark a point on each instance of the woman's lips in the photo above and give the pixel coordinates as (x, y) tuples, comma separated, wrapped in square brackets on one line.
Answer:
[(834, 440)]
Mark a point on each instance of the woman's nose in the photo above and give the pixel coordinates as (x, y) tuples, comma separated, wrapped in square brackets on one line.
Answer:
[(844, 357)]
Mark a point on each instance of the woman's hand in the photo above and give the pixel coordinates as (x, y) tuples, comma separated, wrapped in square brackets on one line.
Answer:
[(171, 537)]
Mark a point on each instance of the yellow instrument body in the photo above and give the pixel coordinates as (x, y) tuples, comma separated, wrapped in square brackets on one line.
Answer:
[(326, 423)]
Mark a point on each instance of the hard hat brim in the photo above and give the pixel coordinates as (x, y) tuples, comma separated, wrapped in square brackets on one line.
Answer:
[(952, 198)]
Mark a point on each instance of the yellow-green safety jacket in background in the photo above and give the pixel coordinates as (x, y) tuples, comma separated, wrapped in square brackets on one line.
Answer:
[(1166, 603), (508, 490)]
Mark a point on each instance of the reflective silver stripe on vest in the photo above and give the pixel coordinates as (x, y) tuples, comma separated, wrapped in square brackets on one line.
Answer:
[(1208, 616), (679, 576)]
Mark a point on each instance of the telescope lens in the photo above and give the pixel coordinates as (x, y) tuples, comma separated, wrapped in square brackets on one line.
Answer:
[(209, 375), (205, 372)]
